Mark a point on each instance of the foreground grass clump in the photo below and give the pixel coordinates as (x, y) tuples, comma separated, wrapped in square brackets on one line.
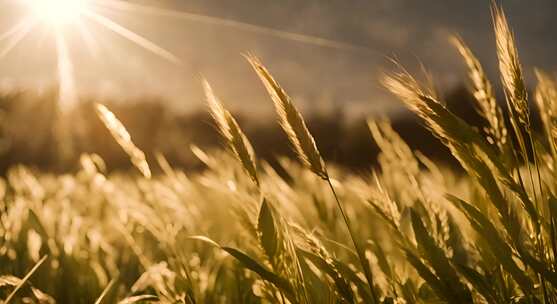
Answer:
[(238, 232)]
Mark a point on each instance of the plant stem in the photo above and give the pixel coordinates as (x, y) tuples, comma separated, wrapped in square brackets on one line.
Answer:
[(25, 279), (361, 254), (538, 224)]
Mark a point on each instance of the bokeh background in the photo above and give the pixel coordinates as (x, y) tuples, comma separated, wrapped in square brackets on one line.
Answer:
[(162, 103)]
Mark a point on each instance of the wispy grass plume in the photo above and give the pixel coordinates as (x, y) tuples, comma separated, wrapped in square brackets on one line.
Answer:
[(510, 68), (291, 121), (301, 139), (123, 138), (484, 96), (517, 96), (464, 142), (230, 130)]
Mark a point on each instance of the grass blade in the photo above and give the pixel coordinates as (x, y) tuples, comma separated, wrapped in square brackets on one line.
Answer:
[(25, 279), (439, 262)]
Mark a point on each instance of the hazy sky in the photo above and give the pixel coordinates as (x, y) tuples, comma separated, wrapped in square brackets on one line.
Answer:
[(316, 76)]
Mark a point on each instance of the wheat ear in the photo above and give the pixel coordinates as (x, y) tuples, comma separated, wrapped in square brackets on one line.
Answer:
[(123, 138)]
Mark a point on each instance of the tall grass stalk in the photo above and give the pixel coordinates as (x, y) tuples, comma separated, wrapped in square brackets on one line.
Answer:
[(123, 138), (304, 145), (517, 102), (25, 279), (515, 91), (483, 92), (481, 235), (234, 136)]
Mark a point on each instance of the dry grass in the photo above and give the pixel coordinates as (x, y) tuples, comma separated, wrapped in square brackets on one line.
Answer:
[(230, 130), (291, 121), (417, 232), (483, 92), (124, 139)]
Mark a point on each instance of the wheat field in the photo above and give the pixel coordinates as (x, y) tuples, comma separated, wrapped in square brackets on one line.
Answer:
[(408, 231)]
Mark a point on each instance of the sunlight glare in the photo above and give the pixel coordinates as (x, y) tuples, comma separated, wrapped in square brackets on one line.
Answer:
[(58, 12)]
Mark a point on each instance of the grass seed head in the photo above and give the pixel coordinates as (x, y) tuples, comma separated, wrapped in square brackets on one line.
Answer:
[(291, 121), (124, 139), (483, 93), (510, 68), (230, 130)]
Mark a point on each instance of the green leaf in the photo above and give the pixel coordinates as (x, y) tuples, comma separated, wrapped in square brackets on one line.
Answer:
[(457, 243), (262, 271), (382, 261), (351, 276), (480, 283), (540, 267), (268, 235), (342, 286), (251, 264), (495, 241), (439, 262), (319, 289), (426, 274), (388, 220), (37, 225)]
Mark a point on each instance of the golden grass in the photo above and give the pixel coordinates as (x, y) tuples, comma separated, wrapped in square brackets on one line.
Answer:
[(230, 130), (291, 121), (422, 233), (124, 139), (483, 92)]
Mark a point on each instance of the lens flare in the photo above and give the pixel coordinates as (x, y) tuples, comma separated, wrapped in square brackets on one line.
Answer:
[(58, 12), (62, 17)]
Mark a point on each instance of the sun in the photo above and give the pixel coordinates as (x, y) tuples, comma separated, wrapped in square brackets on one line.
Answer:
[(60, 18), (58, 12), (57, 19)]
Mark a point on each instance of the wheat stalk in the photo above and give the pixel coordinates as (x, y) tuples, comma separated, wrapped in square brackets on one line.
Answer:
[(470, 149), (304, 145), (230, 130), (291, 121), (483, 93), (510, 68), (123, 138), (517, 97), (409, 91)]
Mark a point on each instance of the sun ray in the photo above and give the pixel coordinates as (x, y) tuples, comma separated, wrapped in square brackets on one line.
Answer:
[(42, 37), (132, 36), (89, 39), (66, 82), (57, 13), (57, 17), (15, 37), (302, 38), (18, 27)]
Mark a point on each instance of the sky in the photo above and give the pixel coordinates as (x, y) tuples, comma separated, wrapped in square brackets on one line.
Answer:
[(209, 38)]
